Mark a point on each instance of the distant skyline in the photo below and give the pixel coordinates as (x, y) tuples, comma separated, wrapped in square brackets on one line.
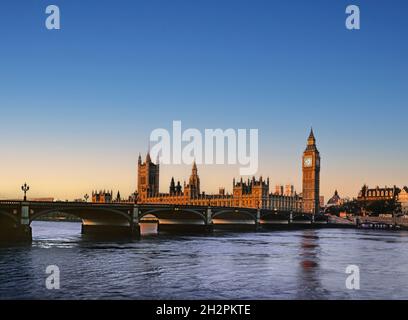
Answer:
[(78, 104)]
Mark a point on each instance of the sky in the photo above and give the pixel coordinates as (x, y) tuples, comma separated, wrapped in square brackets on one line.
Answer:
[(78, 104)]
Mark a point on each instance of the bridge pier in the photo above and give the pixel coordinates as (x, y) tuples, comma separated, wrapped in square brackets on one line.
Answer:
[(135, 222), (24, 232), (258, 220), (208, 220), (16, 234)]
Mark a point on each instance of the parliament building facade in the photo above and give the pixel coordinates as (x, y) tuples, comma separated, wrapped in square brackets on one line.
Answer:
[(250, 193)]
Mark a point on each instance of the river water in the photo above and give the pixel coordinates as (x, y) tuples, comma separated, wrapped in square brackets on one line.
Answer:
[(305, 264)]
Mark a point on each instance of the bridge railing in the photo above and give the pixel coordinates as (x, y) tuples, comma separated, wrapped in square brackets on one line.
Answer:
[(72, 204), (10, 202), (389, 220)]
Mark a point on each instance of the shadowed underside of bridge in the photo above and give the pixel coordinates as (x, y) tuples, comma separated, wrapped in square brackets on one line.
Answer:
[(125, 219), (10, 229), (16, 218), (200, 219)]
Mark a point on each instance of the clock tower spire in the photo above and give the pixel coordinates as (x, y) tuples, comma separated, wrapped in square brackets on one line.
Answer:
[(311, 176)]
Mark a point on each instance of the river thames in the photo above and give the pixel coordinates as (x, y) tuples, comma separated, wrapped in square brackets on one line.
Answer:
[(304, 264)]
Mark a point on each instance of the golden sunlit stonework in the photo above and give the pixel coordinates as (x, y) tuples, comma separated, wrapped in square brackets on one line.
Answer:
[(249, 193), (311, 176), (252, 193)]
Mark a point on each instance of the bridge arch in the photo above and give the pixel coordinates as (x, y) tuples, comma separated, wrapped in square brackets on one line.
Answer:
[(280, 214), (154, 212), (71, 211), (247, 213), (9, 216)]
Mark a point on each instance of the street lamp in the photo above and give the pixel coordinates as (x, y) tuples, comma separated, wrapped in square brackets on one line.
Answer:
[(25, 188), (86, 196)]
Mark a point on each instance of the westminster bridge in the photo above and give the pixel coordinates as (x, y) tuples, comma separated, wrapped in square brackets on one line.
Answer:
[(125, 218)]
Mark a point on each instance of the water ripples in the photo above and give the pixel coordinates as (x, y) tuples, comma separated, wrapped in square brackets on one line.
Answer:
[(306, 264)]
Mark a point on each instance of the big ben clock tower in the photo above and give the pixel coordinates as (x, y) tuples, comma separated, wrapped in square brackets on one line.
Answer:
[(311, 176)]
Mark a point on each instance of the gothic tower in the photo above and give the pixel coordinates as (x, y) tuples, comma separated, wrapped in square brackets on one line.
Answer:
[(172, 188), (194, 182), (148, 178), (311, 176)]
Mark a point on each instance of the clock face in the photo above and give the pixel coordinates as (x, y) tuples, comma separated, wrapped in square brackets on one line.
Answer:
[(307, 161)]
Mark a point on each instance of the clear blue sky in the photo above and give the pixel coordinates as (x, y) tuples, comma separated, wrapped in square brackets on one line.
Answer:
[(77, 105)]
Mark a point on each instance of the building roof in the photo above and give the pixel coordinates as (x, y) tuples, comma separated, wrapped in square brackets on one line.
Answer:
[(335, 199), (311, 135)]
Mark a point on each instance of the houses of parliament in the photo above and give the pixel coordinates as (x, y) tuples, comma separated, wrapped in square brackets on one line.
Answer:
[(250, 193)]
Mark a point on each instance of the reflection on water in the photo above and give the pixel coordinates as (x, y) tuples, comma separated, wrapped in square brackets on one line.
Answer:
[(304, 264), (308, 252), (308, 276), (148, 228)]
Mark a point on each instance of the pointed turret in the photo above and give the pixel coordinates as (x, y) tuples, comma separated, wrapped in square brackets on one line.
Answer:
[(311, 140), (311, 176), (194, 181), (172, 186), (178, 187)]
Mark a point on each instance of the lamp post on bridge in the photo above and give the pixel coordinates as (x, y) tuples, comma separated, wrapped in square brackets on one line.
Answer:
[(25, 188), (208, 216), (86, 196), (258, 215)]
